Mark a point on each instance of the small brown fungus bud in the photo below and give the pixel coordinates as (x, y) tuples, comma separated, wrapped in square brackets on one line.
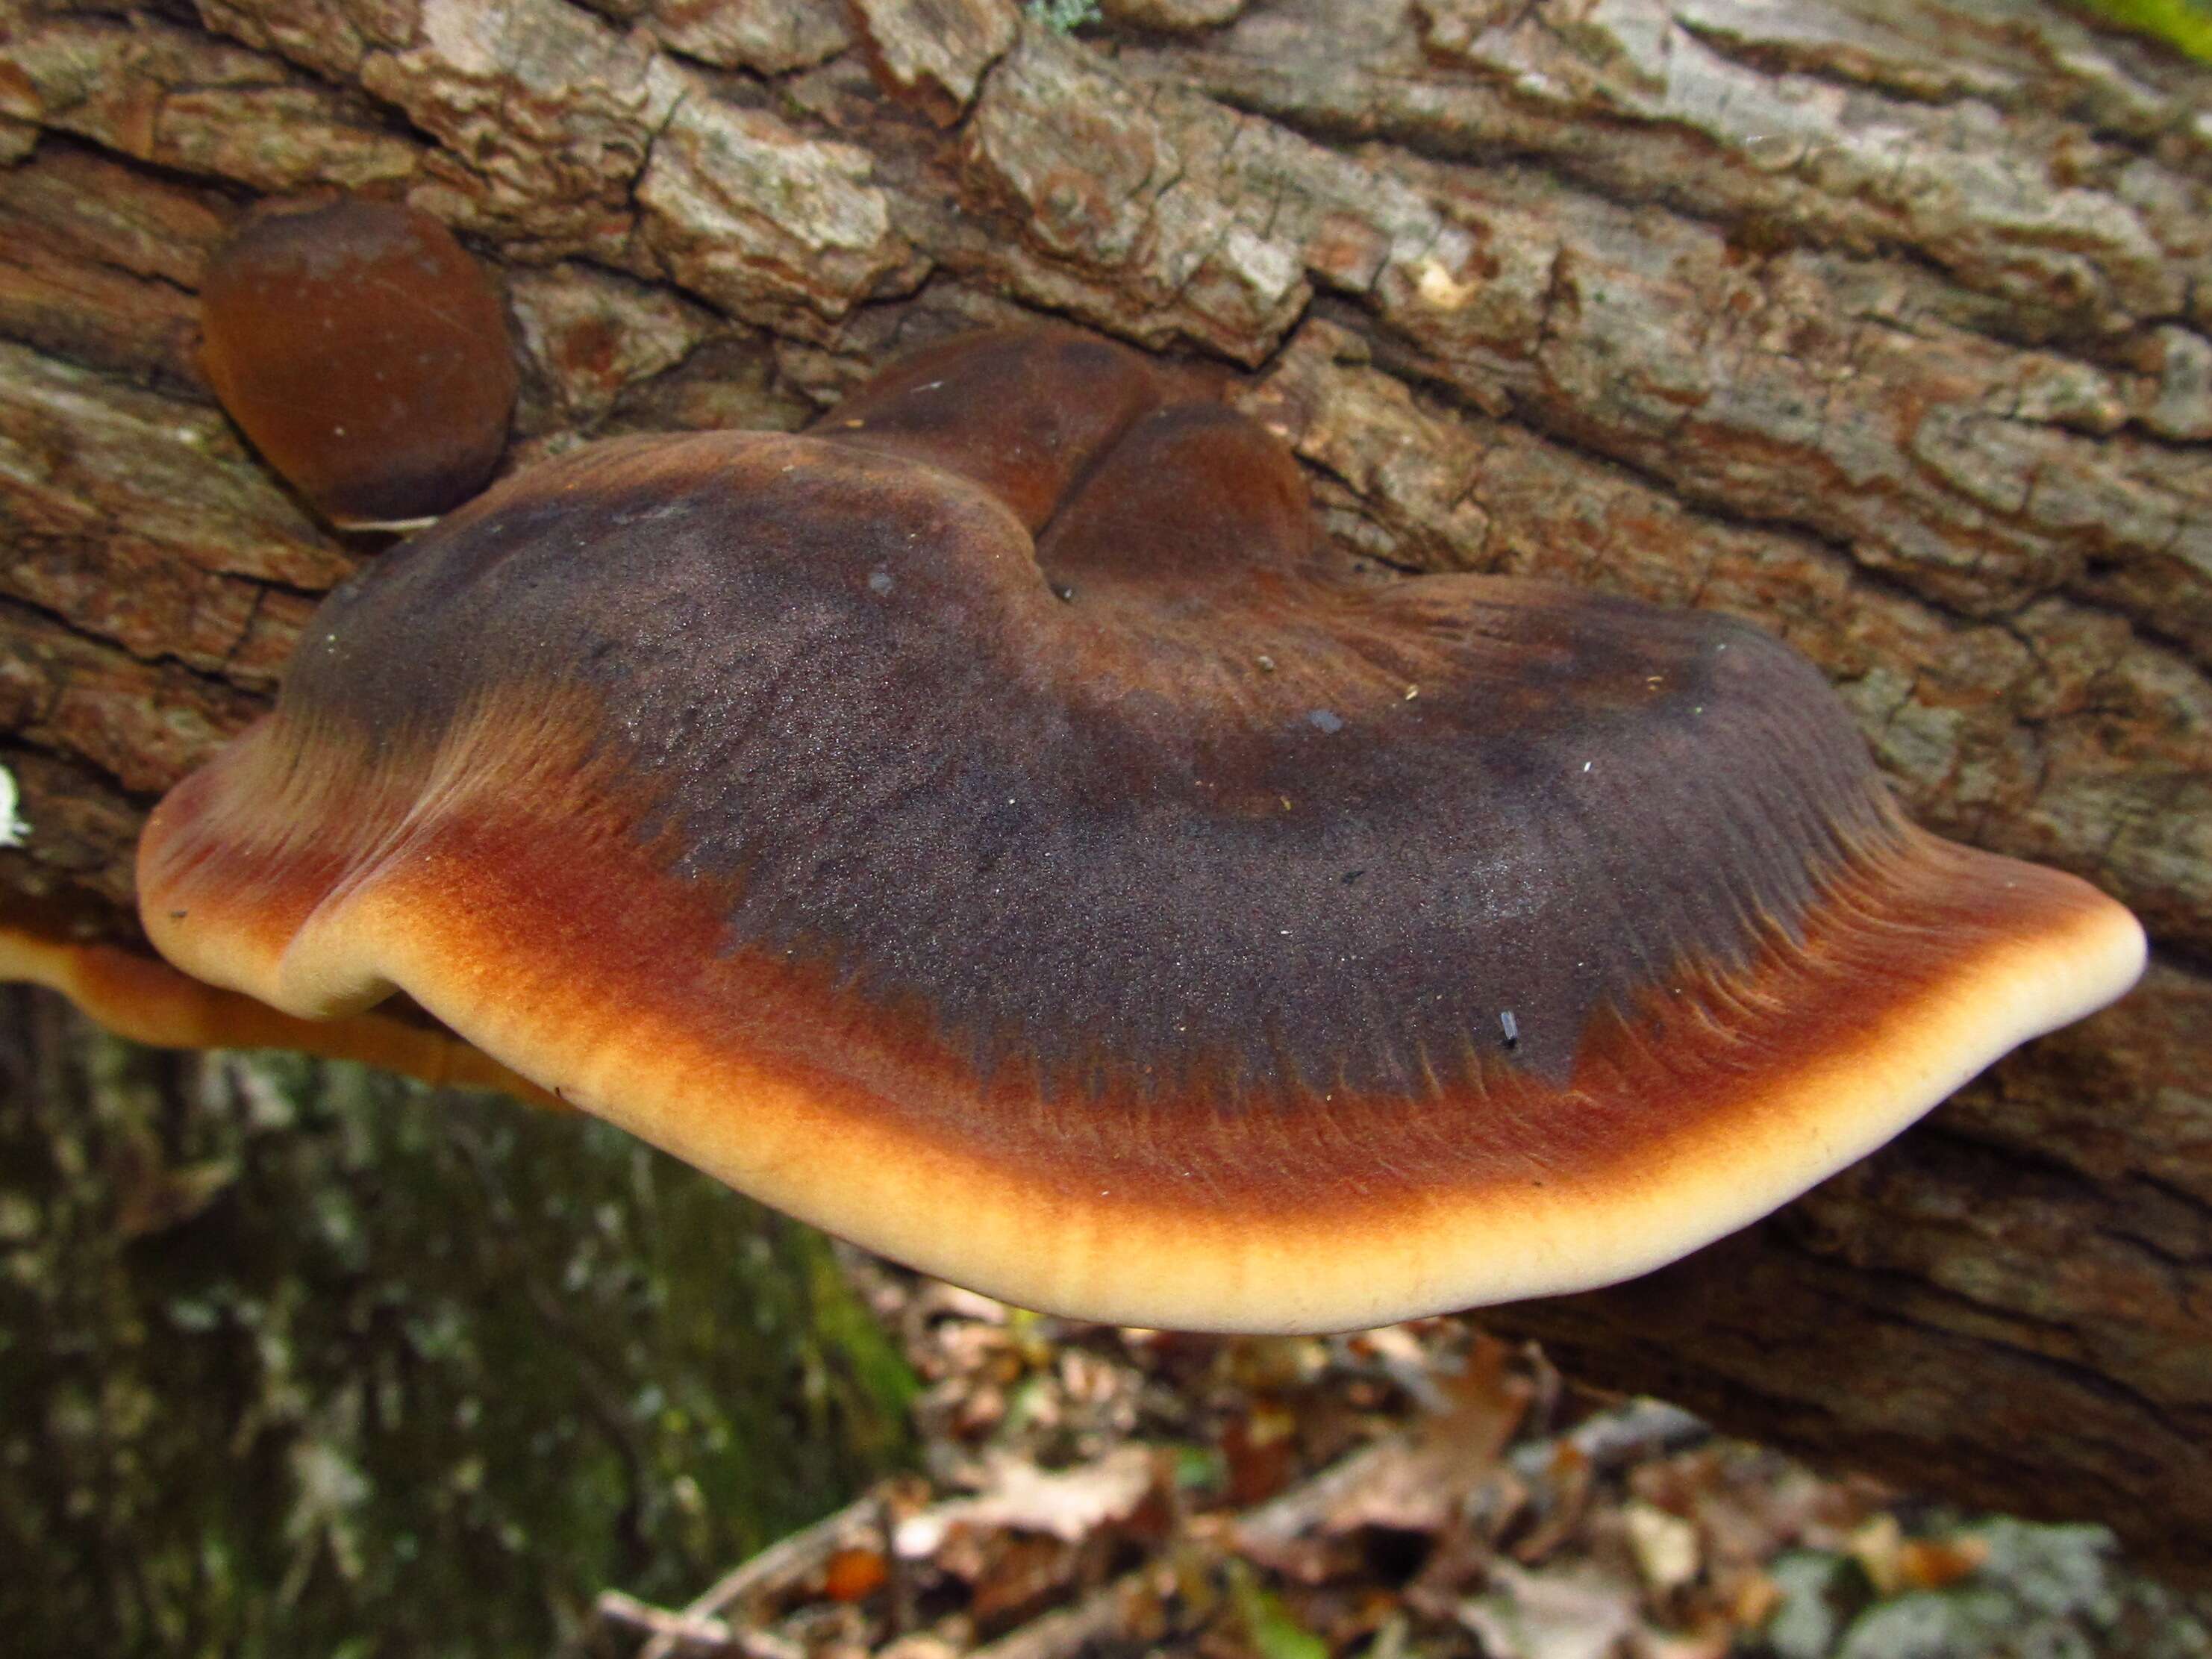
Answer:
[(365, 353)]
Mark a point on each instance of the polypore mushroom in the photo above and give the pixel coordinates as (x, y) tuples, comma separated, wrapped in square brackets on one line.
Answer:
[(365, 356), (1000, 827)]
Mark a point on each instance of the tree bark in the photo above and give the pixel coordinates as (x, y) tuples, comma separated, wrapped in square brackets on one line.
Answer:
[(1885, 324)]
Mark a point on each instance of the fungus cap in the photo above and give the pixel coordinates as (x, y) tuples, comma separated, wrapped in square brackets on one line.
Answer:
[(1000, 827), (365, 353)]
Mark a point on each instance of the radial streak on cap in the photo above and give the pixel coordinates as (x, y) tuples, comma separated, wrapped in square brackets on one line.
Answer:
[(923, 823)]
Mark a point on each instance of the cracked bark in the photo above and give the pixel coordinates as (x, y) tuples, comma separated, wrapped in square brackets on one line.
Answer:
[(1884, 325)]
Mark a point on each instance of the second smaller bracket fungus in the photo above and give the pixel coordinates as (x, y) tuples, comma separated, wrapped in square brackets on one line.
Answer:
[(141, 998), (365, 353), (1000, 827)]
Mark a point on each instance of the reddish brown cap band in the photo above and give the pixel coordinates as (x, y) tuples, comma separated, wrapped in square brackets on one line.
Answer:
[(365, 356), (1015, 839)]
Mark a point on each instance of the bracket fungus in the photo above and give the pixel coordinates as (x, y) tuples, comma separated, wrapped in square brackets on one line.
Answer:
[(365, 353), (999, 826)]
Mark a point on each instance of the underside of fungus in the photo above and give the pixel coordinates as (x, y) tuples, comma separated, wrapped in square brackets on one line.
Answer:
[(1000, 827)]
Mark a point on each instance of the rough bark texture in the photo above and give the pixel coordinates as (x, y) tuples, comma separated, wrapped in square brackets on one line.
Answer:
[(1883, 323)]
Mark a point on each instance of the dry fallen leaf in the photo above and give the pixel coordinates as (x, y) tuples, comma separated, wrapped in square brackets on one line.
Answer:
[(1878, 1546), (854, 1575), (1571, 1613), (1069, 1505), (1939, 1563), (1412, 1482), (1665, 1547)]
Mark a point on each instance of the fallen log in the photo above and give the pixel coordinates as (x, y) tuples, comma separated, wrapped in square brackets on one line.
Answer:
[(1888, 330)]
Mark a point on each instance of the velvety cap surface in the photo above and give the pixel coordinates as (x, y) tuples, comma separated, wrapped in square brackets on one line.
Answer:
[(365, 353), (998, 826)]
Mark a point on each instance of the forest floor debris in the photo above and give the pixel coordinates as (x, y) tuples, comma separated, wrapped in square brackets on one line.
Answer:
[(1418, 1491)]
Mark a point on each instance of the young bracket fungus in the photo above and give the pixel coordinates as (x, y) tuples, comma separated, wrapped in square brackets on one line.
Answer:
[(1000, 827), (365, 356)]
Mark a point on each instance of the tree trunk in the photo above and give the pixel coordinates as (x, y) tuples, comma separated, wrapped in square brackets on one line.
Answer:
[(1883, 323), (300, 1354)]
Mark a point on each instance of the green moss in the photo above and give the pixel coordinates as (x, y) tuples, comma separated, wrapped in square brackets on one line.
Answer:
[(301, 1358), (2184, 23)]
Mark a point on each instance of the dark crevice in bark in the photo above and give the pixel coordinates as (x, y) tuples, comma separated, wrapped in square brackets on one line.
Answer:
[(54, 622), (1401, 359)]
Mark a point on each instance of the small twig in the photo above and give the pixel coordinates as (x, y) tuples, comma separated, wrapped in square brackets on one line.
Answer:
[(1290, 1514), (1055, 1635), (781, 1563), (681, 1631), (1624, 1434), (614, 1607), (904, 1595)]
